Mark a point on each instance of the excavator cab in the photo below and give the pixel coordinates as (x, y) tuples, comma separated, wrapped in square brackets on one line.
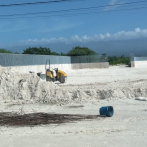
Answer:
[(55, 74)]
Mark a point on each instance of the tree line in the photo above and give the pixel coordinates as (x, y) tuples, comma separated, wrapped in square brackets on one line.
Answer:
[(75, 51), (118, 60)]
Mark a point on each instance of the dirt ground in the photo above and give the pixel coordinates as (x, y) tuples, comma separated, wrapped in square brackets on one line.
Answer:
[(113, 73), (126, 128)]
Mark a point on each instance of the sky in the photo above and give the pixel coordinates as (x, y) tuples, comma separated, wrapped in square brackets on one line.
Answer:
[(110, 26)]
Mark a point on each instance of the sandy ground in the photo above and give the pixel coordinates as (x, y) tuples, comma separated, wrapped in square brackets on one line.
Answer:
[(110, 74), (126, 128)]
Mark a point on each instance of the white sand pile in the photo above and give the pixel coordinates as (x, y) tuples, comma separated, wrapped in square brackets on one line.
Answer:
[(111, 90), (29, 88), (25, 88)]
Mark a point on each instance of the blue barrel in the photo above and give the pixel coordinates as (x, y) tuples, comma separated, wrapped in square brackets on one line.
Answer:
[(107, 111)]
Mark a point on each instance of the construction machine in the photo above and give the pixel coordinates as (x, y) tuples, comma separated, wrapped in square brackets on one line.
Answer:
[(54, 74)]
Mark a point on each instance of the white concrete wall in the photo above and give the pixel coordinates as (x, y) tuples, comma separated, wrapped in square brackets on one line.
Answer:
[(64, 67), (132, 64), (90, 65), (140, 64), (39, 68)]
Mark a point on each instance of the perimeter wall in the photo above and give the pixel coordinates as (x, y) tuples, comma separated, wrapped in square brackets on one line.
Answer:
[(138, 62), (36, 63)]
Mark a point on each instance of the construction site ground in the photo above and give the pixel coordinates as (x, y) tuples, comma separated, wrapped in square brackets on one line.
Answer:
[(117, 86)]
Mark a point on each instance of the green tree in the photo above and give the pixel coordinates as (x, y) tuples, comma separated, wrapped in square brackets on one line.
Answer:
[(16, 52), (81, 51), (54, 53), (38, 51), (5, 51), (63, 54), (118, 60)]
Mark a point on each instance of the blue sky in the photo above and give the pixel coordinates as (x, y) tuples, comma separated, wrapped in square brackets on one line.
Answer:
[(64, 32)]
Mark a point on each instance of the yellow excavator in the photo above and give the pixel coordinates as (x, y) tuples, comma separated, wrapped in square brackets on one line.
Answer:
[(54, 74)]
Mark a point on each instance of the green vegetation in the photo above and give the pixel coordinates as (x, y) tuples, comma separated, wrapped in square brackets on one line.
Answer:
[(63, 54), (81, 51), (16, 52), (5, 51), (39, 51), (119, 60)]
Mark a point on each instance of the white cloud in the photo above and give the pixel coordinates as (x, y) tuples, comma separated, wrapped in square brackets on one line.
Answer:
[(113, 2), (121, 35)]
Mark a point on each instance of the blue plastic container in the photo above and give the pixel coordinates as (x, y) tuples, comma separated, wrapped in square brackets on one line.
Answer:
[(107, 111)]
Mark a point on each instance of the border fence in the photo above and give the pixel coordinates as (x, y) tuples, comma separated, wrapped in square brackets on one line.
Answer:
[(25, 63), (89, 59), (25, 59)]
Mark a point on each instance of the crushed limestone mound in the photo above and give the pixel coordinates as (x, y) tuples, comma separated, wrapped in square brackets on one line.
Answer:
[(26, 88), (29, 88)]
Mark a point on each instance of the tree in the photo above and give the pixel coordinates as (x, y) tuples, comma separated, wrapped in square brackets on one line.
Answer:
[(54, 53), (63, 54), (5, 51), (16, 52), (37, 51), (118, 60), (81, 51)]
